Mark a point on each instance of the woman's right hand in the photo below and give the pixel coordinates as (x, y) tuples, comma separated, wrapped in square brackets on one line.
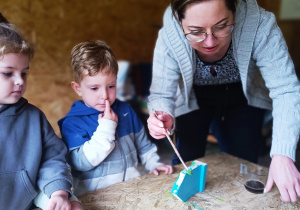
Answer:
[(157, 125)]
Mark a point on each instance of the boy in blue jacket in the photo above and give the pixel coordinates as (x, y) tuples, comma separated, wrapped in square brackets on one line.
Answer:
[(104, 135), (32, 157)]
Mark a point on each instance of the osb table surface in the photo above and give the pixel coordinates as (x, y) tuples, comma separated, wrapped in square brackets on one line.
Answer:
[(224, 190)]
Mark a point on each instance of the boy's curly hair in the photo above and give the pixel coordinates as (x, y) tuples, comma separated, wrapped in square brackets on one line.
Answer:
[(92, 57)]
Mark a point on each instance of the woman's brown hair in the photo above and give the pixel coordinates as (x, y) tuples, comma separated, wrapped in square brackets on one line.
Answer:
[(179, 7)]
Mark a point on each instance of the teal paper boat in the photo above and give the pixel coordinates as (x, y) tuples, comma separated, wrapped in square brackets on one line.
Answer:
[(188, 185)]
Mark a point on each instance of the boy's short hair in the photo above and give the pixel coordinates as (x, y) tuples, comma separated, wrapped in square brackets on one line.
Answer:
[(11, 41), (93, 57)]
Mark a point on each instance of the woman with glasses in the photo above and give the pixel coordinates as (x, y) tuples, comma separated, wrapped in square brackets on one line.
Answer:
[(227, 61)]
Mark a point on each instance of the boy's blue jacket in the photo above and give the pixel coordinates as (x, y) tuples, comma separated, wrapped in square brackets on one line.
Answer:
[(119, 146), (32, 157)]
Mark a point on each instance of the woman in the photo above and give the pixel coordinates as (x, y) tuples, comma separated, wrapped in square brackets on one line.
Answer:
[(222, 59)]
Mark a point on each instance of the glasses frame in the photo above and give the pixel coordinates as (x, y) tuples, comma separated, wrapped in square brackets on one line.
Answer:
[(205, 33)]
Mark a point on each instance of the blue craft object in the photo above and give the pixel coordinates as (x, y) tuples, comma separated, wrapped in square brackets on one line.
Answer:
[(188, 185)]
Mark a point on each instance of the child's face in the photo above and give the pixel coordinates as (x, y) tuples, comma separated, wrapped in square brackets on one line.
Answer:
[(13, 72), (94, 90)]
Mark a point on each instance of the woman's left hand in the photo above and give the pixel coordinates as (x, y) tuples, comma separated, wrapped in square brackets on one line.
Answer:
[(286, 176)]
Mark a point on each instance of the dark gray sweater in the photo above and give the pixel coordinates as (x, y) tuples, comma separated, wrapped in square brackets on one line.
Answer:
[(32, 157)]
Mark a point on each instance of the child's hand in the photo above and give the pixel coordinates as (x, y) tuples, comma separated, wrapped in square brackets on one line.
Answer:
[(59, 200), (166, 168), (109, 113), (76, 205)]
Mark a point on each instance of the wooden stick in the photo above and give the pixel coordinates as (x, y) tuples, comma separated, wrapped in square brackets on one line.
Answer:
[(176, 151)]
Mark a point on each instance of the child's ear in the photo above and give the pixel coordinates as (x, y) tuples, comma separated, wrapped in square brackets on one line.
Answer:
[(76, 87)]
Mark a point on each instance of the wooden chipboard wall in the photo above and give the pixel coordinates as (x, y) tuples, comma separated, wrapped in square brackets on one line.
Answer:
[(130, 27)]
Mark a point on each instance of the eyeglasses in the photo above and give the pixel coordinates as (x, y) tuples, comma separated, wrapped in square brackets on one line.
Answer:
[(217, 32)]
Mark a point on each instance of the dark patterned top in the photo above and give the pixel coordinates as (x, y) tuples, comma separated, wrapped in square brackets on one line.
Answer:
[(226, 71)]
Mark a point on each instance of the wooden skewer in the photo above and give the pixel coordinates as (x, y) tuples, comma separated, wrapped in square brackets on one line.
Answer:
[(176, 151)]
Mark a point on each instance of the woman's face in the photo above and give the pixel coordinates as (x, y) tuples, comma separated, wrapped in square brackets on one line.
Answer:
[(204, 17)]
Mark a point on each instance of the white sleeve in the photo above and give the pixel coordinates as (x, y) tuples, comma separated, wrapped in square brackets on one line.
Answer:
[(151, 159), (102, 142)]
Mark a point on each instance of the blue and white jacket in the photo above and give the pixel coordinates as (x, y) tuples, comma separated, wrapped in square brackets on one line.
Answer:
[(102, 152), (265, 66)]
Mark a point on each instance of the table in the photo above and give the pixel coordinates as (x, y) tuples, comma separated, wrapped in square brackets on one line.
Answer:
[(224, 190)]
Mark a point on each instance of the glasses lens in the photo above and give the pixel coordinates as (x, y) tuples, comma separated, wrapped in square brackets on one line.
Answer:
[(195, 37), (223, 32)]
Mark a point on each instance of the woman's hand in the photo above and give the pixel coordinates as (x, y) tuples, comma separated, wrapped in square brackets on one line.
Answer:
[(157, 125), (286, 176)]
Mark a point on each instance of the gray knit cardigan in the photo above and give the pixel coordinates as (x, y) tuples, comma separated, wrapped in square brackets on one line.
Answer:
[(266, 69)]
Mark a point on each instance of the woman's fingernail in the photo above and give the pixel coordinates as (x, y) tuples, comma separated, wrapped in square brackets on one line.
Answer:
[(160, 125)]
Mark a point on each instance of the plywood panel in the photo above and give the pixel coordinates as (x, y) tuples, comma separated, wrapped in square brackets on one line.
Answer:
[(130, 27)]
